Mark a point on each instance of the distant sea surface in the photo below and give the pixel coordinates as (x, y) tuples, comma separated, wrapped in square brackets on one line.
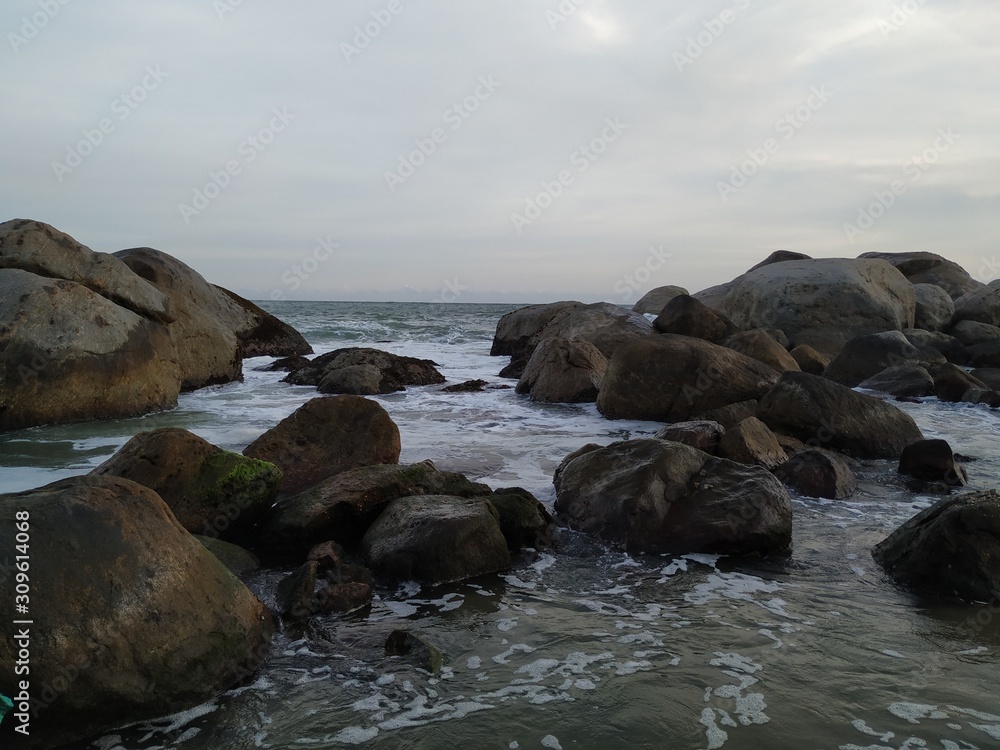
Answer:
[(581, 646)]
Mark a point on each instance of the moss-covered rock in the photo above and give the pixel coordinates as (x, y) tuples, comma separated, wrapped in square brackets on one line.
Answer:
[(212, 492)]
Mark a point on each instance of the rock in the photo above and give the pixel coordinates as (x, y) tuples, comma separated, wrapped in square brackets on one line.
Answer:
[(715, 297), (949, 346), (416, 650), (285, 364), (238, 560), (48, 253), (865, 356), (929, 268), (932, 461), (297, 591), (989, 397), (343, 597), (989, 376), (326, 436), (818, 473), (652, 302), (759, 345), (902, 380), (328, 554), (780, 256), (203, 332), (469, 386), (436, 539), (731, 414), (563, 371), (148, 621), (524, 522), (702, 434), (824, 302), (951, 549), (342, 507), (69, 354), (751, 442), (971, 332), (210, 491), (261, 334), (686, 316), (951, 382), (657, 496), (986, 354), (673, 378), (981, 306), (935, 308), (602, 324), (365, 372), (809, 360), (826, 414)]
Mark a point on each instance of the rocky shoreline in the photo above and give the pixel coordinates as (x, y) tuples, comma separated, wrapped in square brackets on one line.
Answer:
[(753, 381)]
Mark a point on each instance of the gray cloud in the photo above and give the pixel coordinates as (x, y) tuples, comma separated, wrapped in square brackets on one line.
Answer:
[(897, 73)]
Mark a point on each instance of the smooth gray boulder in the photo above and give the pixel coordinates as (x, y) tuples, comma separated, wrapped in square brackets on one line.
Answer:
[(652, 302), (908, 381), (866, 356), (930, 268), (935, 309), (563, 371)]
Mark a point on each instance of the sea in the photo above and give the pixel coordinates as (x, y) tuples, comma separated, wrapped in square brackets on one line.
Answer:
[(580, 645)]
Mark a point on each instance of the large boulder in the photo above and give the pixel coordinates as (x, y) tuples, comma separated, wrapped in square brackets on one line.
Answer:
[(715, 297), (686, 316), (342, 507), (824, 302), (563, 371), (602, 324), (673, 378), (932, 461), (988, 376), (751, 442), (823, 413), (906, 381), (203, 331), (951, 383), (365, 372), (951, 549), (981, 306), (657, 496), (758, 344), (809, 360), (45, 251), (930, 268), (865, 356), (935, 308), (986, 354), (971, 332), (652, 302), (326, 436), (260, 334), (436, 539), (211, 492), (69, 354), (134, 618)]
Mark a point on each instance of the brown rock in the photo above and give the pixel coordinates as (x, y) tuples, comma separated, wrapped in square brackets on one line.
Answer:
[(751, 442)]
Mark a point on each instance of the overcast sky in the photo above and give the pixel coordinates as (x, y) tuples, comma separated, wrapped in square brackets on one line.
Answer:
[(503, 149)]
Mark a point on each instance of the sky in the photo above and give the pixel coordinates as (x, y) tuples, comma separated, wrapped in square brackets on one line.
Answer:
[(503, 150)]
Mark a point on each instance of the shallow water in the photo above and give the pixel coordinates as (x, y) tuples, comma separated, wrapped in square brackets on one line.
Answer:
[(581, 646)]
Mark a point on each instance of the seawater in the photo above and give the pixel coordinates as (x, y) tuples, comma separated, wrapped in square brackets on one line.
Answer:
[(582, 646)]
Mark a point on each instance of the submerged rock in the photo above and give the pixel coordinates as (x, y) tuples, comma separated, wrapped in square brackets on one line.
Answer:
[(932, 461), (135, 618), (211, 491), (326, 436), (818, 473), (673, 378), (951, 549), (365, 372), (657, 496)]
